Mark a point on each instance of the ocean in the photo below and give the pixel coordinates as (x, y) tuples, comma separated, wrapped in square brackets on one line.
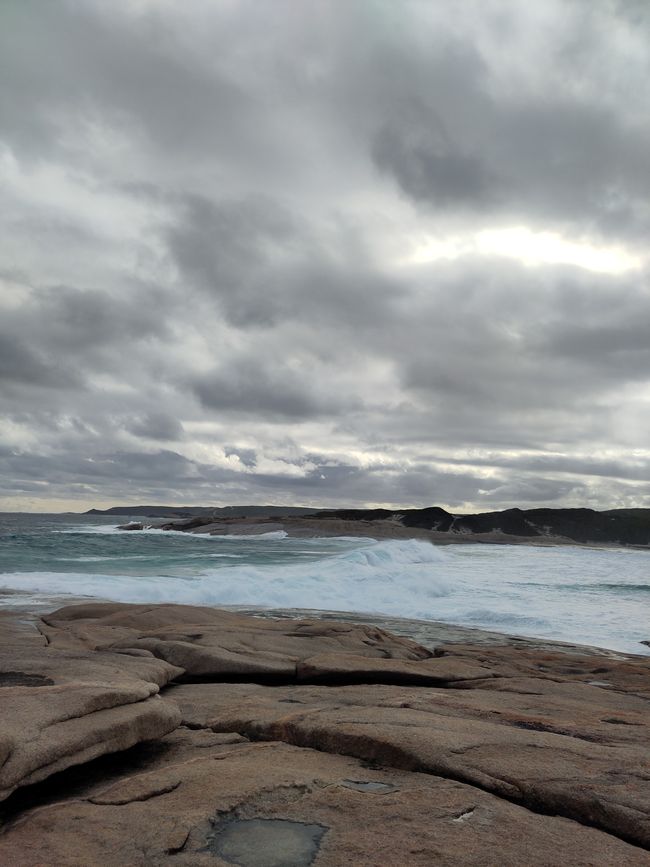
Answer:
[(589, 596)]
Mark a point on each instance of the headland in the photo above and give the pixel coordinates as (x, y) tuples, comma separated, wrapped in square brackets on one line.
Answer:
[(617, 527)]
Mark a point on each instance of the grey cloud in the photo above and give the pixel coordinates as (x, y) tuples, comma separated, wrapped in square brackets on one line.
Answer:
[(263, 264), (562, 153), (267, 387), (248, 457), (156, 426), (77, 63), (228, 248), (510, 337), (540, 490), (20, 363), (211, 210), (430, 166)]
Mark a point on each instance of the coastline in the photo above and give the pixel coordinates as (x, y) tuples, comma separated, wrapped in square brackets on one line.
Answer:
[(300, 527), (137, 734), (432, 634), (509, 589)]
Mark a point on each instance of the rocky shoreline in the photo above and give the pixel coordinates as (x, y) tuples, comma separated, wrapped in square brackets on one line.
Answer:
[(156, 734), (374, 528)]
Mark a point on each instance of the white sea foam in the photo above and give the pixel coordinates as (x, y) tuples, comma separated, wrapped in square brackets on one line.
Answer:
[(109, 530), (580, 595), (382, 576)]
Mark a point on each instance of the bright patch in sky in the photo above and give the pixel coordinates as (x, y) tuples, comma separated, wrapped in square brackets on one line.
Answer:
[(530, 248)]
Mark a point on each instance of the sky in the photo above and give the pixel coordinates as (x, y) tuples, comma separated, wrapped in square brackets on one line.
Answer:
[(324, 253)]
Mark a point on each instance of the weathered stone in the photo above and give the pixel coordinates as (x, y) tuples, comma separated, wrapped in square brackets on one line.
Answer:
[(209, 643), (347, 667), (552, 751), (503, 755), (61, 708), (236, 802)]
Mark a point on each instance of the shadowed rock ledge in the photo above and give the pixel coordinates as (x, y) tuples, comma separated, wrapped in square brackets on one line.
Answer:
[(258, 741)]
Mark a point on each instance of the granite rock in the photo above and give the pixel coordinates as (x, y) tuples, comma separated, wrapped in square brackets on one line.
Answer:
[(280, 806), (64, 707), (314, 741)]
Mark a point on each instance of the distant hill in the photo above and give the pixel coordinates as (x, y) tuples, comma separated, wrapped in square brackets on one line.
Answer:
[(624, 526), (203, 511), (614, 526)]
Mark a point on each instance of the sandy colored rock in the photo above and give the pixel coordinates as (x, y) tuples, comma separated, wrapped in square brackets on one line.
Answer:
[(62, 708), (257, 800), (486, 754), (210, 643), (576, 750), (342, 667)]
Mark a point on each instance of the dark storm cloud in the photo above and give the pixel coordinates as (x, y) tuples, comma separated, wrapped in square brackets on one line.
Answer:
[(264, 387), (207, 290), (227, 249), (429, 164), (157, 426), (533, 163), (509, 338), (20, 364), (74, 62), (263, 264)]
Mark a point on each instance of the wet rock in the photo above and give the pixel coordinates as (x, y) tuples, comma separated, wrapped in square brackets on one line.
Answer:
[(267, 842)]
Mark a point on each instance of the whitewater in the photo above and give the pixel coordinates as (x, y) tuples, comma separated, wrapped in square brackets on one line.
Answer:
[(589, 596)]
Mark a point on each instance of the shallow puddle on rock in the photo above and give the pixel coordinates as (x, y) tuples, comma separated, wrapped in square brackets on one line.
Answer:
[(267, 843), (369, 786)]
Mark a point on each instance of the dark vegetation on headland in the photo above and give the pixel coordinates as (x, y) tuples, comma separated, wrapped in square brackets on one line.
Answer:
[(615, 526), (624, 526)]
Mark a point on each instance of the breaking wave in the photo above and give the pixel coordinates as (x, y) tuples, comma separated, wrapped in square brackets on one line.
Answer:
[(391, 577)]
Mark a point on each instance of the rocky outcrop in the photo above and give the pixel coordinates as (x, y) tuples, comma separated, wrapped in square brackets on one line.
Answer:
[(63, 708), (275, 805), (211, 644), (315, 742), (617, 526), (626, 527)]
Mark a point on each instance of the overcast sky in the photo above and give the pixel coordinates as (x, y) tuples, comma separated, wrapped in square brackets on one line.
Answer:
[(324, 252)]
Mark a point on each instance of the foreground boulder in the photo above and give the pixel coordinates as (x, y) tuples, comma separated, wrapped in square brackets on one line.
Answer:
[(276, 805), (210, 643), (314, 741), (63, 708), (587, 759)]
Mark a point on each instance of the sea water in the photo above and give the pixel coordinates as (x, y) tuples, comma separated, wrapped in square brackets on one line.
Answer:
[(581, 595)]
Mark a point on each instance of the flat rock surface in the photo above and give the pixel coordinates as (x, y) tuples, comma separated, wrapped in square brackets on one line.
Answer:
[(212, 643), (315, 742), (63, 707), (274, 805)]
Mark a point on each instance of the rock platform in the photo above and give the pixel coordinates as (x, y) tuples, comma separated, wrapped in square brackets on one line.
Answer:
[(164, 734)]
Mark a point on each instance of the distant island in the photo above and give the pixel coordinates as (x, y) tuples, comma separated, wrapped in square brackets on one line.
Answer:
[(207, 511), (627, 527)]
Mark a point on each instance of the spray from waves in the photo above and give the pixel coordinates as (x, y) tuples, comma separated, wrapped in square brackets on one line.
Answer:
[(110, 530), (395, 577), (147, 557)]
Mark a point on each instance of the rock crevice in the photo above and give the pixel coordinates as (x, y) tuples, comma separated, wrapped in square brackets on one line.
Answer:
[(500, 749)]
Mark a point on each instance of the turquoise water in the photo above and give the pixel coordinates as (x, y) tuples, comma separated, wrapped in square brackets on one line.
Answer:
[(82, 544), (591, 596)]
